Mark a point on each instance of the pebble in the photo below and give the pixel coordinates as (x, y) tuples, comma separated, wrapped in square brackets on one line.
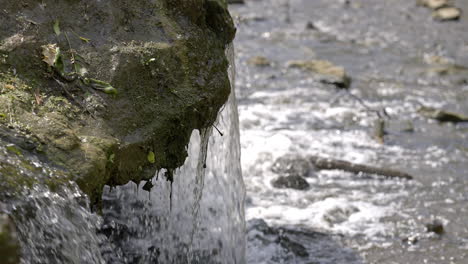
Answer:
[(447, 13), (433, 4), (435, 227)]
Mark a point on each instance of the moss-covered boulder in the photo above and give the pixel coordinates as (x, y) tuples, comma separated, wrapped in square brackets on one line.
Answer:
[(106, 92)]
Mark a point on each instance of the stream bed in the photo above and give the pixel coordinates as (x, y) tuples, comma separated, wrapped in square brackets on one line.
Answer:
[(399, 60)]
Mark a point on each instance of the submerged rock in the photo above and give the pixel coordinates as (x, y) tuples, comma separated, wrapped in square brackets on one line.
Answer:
[(292, 165), (327, 71), (292, 182), (447, 13), (442, 115), (259, 61)]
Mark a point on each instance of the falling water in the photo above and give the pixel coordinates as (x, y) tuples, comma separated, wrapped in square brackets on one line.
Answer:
[(199, 219)]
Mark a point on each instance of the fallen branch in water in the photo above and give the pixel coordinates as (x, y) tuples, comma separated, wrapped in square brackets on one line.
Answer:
[(322, 163)]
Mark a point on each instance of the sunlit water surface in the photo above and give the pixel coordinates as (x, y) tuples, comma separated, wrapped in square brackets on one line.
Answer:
[(385, 47)]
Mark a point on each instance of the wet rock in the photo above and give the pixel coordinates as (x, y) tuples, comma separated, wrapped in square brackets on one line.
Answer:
[(447, 13), (327, 71), (441, 115), (292, 165), (292, 182), (9, 245), (433, 4), (294, 247), (436, 227), (259, 61)]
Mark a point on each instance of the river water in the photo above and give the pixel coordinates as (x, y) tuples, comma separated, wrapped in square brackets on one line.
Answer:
[(398, 58)]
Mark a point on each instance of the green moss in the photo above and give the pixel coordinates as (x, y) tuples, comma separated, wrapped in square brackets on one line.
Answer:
[(13, 149), (13, 178)]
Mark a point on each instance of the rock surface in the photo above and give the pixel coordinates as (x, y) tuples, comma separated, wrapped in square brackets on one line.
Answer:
[(92, 89)]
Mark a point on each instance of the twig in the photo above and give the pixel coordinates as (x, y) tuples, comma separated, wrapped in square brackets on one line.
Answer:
[(72, 53), (218, 130)]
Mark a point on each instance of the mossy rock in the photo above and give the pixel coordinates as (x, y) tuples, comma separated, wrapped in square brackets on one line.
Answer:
[(165, 60)]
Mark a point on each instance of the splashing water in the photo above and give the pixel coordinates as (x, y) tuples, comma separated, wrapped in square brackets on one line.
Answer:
[(199, 218), (202, 221)]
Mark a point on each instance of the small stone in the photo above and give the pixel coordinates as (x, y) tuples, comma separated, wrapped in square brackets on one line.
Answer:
[(290, 164), (259, 61), (447, 13), (310, 26), (329, 72), (433, 4), (435, 227), (293, 182)]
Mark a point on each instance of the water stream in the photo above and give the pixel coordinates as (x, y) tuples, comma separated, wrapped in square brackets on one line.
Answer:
[(197, 219)]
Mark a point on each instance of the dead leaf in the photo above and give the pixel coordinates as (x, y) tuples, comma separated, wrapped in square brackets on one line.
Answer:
[(38, 97), (50, 53)]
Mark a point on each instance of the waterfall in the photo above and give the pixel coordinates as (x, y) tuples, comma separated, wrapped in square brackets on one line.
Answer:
[(197, 219)]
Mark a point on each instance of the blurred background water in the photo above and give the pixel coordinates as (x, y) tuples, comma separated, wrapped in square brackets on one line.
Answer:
[(399, 58)]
